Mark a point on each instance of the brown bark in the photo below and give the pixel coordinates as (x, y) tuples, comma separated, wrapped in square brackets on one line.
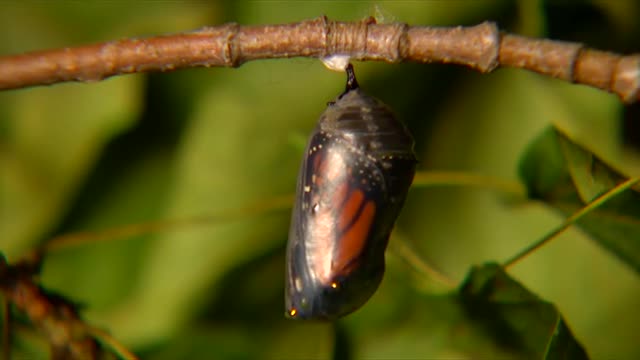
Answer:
[(481, 47)]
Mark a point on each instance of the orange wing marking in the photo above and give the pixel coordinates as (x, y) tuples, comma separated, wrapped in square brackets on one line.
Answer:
[(350, 207), (353, 241)]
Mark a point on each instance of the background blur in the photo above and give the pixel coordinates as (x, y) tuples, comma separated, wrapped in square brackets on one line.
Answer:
[(209, 141)]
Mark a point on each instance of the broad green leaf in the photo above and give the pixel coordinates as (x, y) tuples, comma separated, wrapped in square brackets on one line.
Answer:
[(401, 322), (516, 318), (490, 316), (566, 176), (542, 177)]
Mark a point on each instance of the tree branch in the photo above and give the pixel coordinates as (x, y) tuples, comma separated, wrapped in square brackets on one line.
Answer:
[(481, 47)]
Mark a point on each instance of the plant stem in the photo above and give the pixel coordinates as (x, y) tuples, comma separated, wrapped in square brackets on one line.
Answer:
[(573, 218), (433, 178), (85, 237)]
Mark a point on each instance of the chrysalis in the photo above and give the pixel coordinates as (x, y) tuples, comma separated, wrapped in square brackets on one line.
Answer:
[(355, 175)]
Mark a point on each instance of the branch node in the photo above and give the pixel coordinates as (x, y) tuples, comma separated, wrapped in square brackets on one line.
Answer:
[(490, 46), (387, 42), (223, 41), (348, 38), (231, 49), (626, 78), (323, 23)]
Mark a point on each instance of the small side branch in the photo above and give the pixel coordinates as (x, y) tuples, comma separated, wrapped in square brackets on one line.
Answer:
[(56, 317), (481, 47)]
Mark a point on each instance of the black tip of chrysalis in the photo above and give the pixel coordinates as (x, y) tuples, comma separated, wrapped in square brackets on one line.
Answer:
[(352, 83)]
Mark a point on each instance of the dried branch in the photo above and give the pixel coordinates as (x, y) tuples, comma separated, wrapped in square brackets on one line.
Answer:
[(56, 317), (481, 47)]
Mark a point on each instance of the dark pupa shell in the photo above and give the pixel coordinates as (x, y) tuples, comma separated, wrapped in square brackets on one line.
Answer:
[(357, 169)]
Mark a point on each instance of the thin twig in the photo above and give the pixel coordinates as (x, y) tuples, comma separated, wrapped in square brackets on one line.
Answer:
[(149, 227), (481, 47), (404, 250), (117, 348), (573, 218), (460, 178), (54, 316)]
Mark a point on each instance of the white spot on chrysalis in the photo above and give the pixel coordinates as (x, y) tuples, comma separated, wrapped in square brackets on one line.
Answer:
[(375, 144)]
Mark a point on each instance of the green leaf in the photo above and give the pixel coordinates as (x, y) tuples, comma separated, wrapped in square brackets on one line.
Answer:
[(542, 177), (516, 318), (566, 176), (491, 316)]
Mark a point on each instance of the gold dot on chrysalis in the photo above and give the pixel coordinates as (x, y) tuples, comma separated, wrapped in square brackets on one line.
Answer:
[(293, 312), (334, 285)]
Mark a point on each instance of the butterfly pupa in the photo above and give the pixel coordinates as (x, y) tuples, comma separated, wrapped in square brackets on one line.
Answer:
[(355, 175)]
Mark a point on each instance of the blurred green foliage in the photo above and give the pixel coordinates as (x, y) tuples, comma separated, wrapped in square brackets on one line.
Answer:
[(208, 141), (581, 178)]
